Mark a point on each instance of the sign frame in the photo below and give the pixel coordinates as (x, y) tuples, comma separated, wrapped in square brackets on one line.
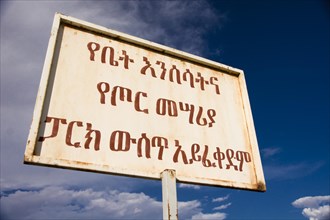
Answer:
[(61, 20)]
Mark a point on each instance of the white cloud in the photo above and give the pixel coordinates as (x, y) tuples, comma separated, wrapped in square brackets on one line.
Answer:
[(56, 202), (311, 201), (314, 207), (275, 171), (183, 185), (290, 171), (61, 203), (320, 213), (286, 171), (220, 199), (222, 207), (187, 209), (271, 151), (217, 215)]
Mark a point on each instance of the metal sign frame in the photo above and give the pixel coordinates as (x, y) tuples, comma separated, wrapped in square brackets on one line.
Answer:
[(32, 153)]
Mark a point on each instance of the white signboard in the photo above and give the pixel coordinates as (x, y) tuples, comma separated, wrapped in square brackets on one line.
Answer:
[(112, 103)]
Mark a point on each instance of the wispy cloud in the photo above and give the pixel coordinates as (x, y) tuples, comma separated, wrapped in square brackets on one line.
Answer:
[(314, 207), (269, 152), (190, 186), (175, 24), (276, 171), (290, 171), (217, 215), (222, 206), (186, 209), (220, 199)]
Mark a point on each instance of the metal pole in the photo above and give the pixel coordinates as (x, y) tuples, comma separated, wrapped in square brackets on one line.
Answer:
[(170, 204)]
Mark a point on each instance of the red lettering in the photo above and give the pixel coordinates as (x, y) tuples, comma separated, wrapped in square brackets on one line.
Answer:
[(125, 94), (56, 124), (177, 73), (126, 59), (161, 143), (102, 90), (166, 106), (200, 79), (242, 156), (211, 113), (178, 152), (122, 92), (195, 148), (88, 136), (162, 66), (137, 102), (191, 78), (217, 89), (188, 108), (108, 54), (148, 67), (69, 134), (120, 141), (219, 156), (199, 117), (90, 46), (117, 141), (230, 156), (206, 162), (143, 139), (112, 60)]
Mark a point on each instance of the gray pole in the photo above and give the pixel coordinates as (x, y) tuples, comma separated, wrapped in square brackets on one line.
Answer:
[(170, 204)]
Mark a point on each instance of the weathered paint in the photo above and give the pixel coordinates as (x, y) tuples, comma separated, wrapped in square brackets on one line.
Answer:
[(112, 103), (170, 204)]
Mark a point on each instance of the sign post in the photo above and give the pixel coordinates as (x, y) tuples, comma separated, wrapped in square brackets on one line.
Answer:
[(170, 204), (112, 103)]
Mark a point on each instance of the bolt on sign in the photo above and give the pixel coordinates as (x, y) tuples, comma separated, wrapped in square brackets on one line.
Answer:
[(113, 103)]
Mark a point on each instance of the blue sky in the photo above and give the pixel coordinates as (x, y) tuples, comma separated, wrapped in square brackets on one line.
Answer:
[(283, 48)]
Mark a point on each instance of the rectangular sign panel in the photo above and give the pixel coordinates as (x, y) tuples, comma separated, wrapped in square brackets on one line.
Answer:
[(112, 103)]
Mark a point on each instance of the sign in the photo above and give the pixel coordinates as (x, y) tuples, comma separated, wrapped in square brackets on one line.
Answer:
[(112, 103)]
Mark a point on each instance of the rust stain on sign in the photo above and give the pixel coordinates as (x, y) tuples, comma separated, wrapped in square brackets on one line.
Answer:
[(109, 102)]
